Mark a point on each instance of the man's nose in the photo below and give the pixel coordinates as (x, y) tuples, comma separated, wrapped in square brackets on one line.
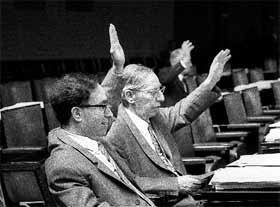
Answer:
[(108, 113), (160, 97)]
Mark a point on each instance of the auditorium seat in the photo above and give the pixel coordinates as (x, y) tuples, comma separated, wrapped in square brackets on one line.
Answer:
[(253, 104), (239, 77), (25, 183), (24, 131), (15, 92)]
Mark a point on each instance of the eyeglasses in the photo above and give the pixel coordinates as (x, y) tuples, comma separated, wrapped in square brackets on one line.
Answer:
[(154, 92), (104, 106)]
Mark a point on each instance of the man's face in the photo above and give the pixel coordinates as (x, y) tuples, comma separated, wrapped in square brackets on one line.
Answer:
[(97, 118), (149, 98)]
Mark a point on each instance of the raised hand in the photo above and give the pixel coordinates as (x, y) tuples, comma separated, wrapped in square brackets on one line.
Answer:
[(116, 50), (217, 66), (186, 48)]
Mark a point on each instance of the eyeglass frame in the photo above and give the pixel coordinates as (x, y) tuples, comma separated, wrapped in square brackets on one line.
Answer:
[(154, 92), (105, 106)]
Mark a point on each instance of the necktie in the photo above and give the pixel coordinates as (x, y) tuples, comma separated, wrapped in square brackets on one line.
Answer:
[(160, 152), (119, 173)]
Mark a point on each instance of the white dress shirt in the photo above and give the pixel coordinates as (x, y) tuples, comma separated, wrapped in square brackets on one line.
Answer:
[(93, 148), (142, 126)]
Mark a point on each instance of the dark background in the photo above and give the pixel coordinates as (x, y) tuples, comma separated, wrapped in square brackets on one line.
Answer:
[(49, 30)]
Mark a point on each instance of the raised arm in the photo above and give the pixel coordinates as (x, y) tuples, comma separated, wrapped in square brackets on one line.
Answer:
[(180, 61), (190, 107), (113, 82)]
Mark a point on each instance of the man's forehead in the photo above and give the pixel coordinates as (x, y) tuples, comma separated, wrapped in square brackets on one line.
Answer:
[(151, 81)]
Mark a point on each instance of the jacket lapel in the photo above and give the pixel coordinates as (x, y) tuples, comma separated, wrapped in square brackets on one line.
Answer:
[(65, 138), (162, 141), (140, 139)]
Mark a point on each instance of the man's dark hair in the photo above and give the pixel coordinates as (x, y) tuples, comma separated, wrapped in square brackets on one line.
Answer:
[(71, 90)]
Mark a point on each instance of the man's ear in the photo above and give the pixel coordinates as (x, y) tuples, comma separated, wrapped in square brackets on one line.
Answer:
[(76, 114), (129, 96)]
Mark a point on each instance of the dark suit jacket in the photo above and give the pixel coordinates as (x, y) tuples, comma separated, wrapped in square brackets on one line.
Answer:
[(78, 178), (134, 149)]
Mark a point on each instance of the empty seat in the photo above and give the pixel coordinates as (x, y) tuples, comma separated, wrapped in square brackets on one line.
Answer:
[(256, 74), (25, 182), (24, 130), (41, 88), (15, 92), (239, 77)]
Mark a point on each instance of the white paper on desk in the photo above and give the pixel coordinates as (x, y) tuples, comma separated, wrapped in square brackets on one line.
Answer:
[(276, 124), (273, 135), (246, 177), (257, 160)]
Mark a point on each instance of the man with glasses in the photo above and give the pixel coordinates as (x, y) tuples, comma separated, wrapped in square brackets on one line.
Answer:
[(142, 133), (80, 170)]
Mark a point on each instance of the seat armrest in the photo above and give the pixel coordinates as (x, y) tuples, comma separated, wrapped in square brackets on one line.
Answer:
[(23, 150), (244, 126), (193, 160), (233, 134), (263, 119), (271, 112), (209, 147)]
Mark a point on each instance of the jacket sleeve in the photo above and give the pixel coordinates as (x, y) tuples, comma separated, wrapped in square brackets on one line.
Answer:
[(113, 84), (168, 74), (69, 186), (189, 108)]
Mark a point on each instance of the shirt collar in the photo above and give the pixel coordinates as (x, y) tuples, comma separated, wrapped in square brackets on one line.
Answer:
[(136, 119), (84, 141)]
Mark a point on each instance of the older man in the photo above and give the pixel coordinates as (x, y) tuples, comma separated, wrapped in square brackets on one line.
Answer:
[(80, 169), (142, 133)]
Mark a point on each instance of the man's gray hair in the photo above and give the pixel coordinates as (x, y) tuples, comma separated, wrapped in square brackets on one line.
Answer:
[(134, 76), (175, 56)]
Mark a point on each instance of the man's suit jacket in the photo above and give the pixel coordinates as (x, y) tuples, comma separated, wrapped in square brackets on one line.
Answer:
[(134, 149), (77, 178)]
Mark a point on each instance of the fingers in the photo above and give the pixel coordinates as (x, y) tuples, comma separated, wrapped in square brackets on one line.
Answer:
[(222, 57), (114, 40), (187, 46)]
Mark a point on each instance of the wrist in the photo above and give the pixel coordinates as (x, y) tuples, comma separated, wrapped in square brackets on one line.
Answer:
[(209, 84), (185, 63), (117, 69)]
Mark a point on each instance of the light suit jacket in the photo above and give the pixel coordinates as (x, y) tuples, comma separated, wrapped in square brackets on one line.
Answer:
[(77, 178), (134, 149)]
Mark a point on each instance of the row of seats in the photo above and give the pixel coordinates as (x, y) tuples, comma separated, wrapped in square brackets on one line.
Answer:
[(23, 148), (26, 70)]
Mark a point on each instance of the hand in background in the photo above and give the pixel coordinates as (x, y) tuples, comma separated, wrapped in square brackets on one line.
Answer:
[(116, 50), (216, 68), (186, 48)]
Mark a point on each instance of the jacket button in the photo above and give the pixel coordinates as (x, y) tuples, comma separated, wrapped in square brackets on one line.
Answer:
[(137, 202)]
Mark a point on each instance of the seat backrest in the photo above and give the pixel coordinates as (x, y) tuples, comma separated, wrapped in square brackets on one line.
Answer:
[(239, 77), (25, 182), (52, 121), (202, 128), (15, 92), (252, 101), (276, 93), (24, 126), (256, 74), (41, 87), (235, 108)]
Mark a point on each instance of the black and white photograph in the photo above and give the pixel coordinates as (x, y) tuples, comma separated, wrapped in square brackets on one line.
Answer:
[(160, 103)]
